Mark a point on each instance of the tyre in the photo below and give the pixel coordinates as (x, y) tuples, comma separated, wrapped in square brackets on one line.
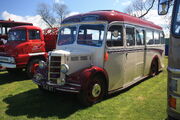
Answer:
[(31, 67), (154, 68), (94, 92)]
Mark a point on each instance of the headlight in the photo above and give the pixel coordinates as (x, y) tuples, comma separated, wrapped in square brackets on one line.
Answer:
[(64, 68), (42, 64), (11, 60)]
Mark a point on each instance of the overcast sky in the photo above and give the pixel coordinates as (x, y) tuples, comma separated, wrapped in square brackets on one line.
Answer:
[(25, 10)]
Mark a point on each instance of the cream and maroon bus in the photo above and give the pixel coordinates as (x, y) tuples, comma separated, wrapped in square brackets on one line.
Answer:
[(101, 52), (173, 93)]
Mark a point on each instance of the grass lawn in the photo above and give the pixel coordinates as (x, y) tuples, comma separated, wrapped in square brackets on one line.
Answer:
[(20, 99)]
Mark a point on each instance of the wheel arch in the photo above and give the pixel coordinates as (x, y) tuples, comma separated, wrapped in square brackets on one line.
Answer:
[(155, 59), (91, 72), (106, 80), (41, 57)]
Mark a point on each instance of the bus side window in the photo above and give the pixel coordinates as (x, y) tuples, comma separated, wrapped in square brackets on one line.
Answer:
[(139, 37), (114, 36), (162, 38), (149, 38), (130, 36), (156, 38)]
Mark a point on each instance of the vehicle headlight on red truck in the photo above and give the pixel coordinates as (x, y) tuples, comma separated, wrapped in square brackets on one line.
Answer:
[(11, 60), (64, 68)]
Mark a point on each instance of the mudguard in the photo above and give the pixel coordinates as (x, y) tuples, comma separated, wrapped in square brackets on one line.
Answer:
[(83, 76)]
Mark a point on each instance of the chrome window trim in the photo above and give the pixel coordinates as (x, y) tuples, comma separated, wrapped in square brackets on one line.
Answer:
[(108, 26), (173, 70)]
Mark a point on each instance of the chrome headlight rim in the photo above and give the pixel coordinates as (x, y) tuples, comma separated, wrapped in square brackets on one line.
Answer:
[(42, 64), (11, 60), (64, 68)]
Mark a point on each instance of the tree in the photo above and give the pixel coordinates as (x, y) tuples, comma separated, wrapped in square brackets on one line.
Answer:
[(45, 12), (52, 16), (61, 10), (140, 8)]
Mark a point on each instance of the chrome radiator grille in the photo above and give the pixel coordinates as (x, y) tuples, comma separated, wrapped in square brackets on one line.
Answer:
[(54, 69)]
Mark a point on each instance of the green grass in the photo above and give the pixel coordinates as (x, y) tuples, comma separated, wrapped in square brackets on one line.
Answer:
[(20, 99)]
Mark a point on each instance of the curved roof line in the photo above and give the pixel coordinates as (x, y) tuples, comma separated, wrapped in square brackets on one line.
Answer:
[(113, 15)]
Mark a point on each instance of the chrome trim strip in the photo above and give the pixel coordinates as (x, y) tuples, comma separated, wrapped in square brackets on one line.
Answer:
[(77, 85), (65, 90), (5, 59), (8, 65), (52, 84), (175, 78), (173, 70), (60, 89), (34, 54)]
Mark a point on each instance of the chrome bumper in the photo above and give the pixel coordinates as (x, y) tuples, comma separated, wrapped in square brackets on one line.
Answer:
[(67, 87), (8, 65)]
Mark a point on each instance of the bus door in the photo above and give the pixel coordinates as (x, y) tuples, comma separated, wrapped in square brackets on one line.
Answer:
[(140, 52), (116, 57), (130, 55)]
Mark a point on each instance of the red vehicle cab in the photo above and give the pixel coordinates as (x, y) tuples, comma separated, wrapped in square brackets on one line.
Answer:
[(5, 25), (24, 49)]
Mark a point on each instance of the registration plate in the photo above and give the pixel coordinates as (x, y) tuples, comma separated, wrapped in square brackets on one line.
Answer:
[(49, 88)]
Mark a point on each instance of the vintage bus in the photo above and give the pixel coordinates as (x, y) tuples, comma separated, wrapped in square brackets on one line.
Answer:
[(173, 93), (101, 52)]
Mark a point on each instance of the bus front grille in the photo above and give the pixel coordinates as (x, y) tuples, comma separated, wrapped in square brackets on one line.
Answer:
[(54, 69)]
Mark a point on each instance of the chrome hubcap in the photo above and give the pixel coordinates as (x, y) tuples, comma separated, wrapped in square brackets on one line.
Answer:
[(96, 90)]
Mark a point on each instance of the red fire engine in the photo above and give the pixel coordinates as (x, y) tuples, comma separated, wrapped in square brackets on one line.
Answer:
[(25, 47)]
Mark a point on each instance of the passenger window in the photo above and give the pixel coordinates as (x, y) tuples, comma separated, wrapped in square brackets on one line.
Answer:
[(149, 38), (130, 36), (34, 34), (162, 38), (114, 36), (156, 38), (139, 37)]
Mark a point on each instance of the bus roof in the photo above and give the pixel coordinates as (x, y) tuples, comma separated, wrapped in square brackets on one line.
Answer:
[(10, 23), (110, 16)]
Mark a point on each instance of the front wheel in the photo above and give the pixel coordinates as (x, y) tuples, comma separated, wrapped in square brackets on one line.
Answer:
[(32, 67), (94, 92)]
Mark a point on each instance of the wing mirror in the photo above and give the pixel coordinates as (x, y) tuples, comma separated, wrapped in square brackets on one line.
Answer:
[(163, 6)]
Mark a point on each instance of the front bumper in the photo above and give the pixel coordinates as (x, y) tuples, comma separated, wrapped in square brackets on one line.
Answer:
[(67, 87), (7, 65)]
